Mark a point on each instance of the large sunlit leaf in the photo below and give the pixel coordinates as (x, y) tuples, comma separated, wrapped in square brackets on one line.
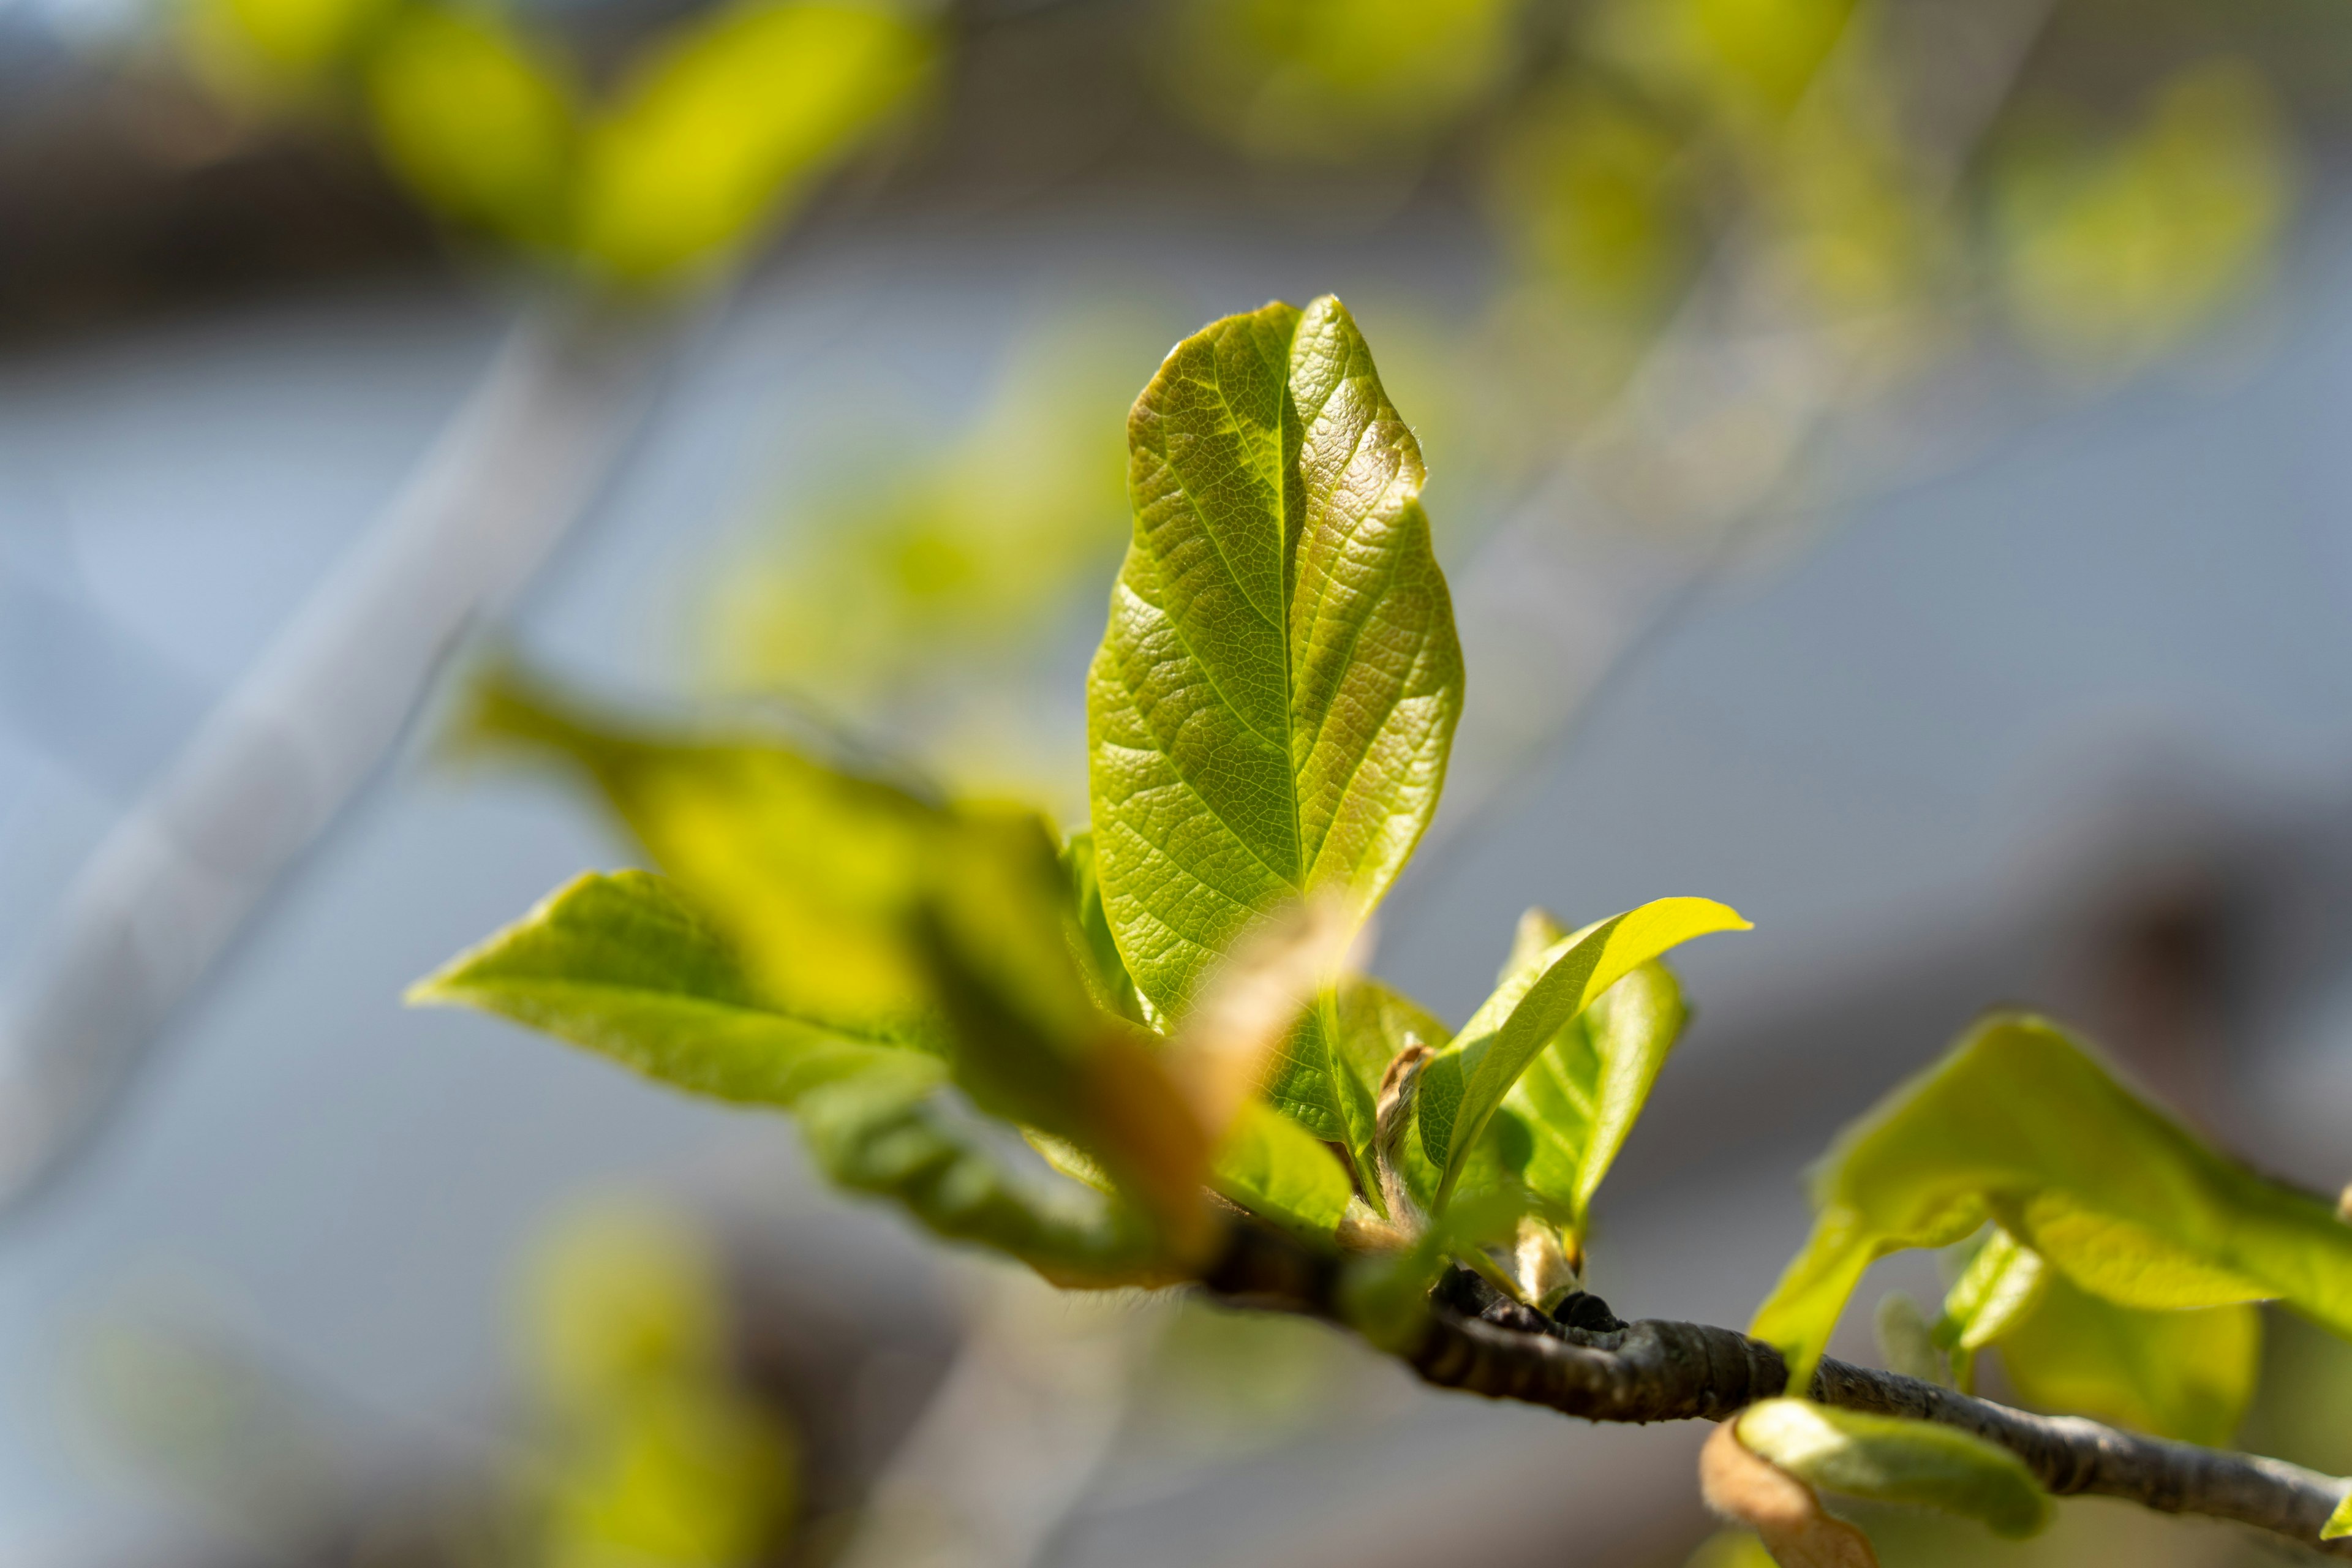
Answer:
[(1466, 1083), (1563, 1123), (1888, 1460), (731, 121), (2023, 1126), (1270, 709), (623, 966)]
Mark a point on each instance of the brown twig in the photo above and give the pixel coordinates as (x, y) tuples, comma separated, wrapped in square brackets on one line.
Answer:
[(1652, 1371)]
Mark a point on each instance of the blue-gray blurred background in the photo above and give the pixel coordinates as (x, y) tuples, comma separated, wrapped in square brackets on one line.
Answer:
[(1890, 460)]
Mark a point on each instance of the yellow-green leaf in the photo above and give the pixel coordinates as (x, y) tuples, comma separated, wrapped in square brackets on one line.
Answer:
[(1331, 1093), (1277, 1170), (2188, 1375), (1561, 1125), (1270, 709), (1994, 1292), (2022, 1125), (473, 120), (1466, 1082), (862, 909), (1889, 1460), (731, 121), (623, 966), (2339, 1523)]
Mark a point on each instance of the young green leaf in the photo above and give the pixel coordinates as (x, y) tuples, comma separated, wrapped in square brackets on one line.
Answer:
[(1999, 1288), (814, 875), (1331, 1092), (1270, 709), (2021, 1125), (2339, 1523), (1274, 1169), (1889, 1460), (2186, 1375), (1467, 1081), (858, 907), (623, 966), (1563, 1123), (1104, 971)]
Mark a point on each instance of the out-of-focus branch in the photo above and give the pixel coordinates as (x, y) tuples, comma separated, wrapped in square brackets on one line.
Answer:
[(1657, 1371), (273, 764)]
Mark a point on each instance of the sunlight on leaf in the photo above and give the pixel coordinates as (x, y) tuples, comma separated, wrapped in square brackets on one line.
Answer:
[(2022, 1125), (1466, 1083), (1276, 694), (623, 966), (2188, 1375), (1272, 1167), (1563, 1123)]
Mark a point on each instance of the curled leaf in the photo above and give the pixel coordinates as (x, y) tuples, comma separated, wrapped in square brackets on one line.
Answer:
[(1400, 1088), (1749, 1490), (1889, 1460), (1467, 1082)]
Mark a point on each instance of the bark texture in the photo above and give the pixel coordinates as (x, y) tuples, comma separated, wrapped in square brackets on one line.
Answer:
[(1481, 1343)]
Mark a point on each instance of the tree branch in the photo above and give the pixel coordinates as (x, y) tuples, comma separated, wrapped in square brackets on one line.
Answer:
[(1481, 1342)]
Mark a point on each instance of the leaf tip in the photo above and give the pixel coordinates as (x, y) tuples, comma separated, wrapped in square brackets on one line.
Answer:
[(2339, 1523)]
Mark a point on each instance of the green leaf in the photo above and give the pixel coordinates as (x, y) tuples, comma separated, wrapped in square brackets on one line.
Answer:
[(1270, 709), (2188, 1375), (1274, 1169), (2000, 1286), (1562, 1124), (1465, 1084), (814, 875), (474, 120), (2339, 1523), (1105, 972), (623, 966), (857, 907), (1889, 1460), (2021, 1125), (730, 122), (1331, 1093)]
